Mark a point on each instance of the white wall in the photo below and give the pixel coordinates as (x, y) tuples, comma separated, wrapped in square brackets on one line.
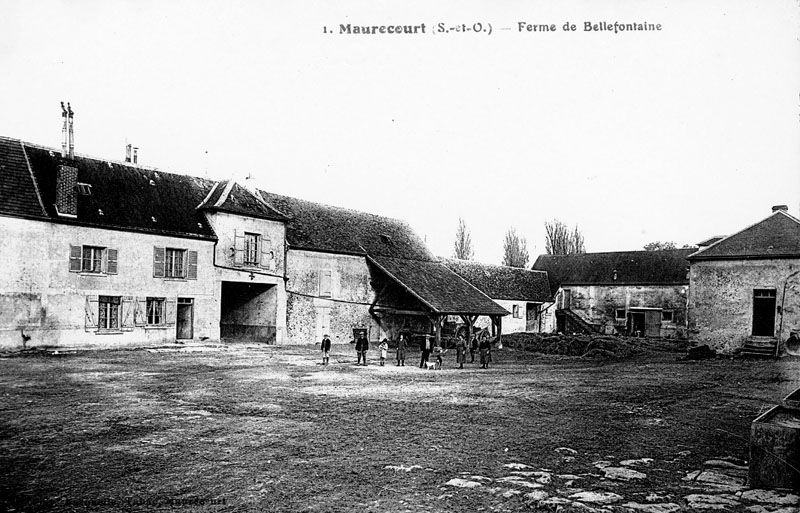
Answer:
[(39, 294)]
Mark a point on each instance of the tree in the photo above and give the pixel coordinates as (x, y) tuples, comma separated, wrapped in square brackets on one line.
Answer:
[(658, 245), (463, 246), (515, 250), (560, 240)]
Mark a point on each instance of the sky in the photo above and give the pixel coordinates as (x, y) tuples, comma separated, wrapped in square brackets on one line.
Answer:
[(670, 135)]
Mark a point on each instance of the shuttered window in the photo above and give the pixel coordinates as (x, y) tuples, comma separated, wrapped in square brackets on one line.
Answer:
[(325, 283), (174, 263), (108, 312), (92, 259)]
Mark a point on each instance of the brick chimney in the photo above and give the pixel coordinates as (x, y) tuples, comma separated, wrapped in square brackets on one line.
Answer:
[(780, 208), (67, 173)]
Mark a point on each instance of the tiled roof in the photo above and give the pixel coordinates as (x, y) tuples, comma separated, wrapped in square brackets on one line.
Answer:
[(229, 196), (314, 226), (439, 288), (127, 197), (17, 190), (503, 282), (777, 236), (710, 241), (665, 267)]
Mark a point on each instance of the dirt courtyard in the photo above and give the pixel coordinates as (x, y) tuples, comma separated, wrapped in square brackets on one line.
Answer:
[(265, 428)]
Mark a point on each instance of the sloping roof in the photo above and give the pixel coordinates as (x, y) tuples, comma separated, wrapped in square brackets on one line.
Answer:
[(126, 197), (665, 267), (777, 236), (318, 227), (503, 282), (436, 286), (229, 196), (17, 190)]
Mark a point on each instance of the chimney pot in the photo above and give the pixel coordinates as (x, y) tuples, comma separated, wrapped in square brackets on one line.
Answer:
[(780, 208), (135, 154), (128, 152), (71, 133)]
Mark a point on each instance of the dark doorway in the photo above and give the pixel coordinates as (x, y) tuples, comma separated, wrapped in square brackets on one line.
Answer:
[(764, 312), (185, 319), (248, 312), (637, 325)]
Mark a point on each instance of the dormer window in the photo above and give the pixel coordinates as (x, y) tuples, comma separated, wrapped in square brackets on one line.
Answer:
[(84, 189)]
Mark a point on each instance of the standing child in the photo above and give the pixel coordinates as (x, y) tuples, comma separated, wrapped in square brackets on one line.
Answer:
[(438, 352), (326, 350), (384, 347), (401, 351)]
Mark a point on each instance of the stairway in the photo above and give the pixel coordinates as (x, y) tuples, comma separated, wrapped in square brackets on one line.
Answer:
[(573, 323), (760, 347)]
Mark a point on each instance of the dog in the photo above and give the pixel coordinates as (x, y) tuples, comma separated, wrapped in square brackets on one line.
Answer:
[(432, 365)]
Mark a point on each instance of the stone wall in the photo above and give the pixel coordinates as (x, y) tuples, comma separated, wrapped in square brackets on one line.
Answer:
[(721, 299), (310, 316), (597, 304)]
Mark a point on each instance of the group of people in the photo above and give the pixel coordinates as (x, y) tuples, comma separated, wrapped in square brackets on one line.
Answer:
[(480, 343)]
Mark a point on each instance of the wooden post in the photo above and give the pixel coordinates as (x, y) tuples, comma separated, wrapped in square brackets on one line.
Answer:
[(499, 332), (493, 319), (437, 326)]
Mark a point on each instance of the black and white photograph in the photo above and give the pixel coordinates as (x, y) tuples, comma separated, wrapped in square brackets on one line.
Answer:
[(400, 256)]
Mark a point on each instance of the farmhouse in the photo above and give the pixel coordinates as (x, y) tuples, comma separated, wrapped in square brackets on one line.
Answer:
[(524, 293), (745, 291), (639, 293), (109, 254)]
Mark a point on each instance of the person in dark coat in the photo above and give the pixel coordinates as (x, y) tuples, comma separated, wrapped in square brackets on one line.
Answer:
[(326, 350), (401, 351), (362, 346), (427, 346), (473, 347), (461, 351), (485, 349)]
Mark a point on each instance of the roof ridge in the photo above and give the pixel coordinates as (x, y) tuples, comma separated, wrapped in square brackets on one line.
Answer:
[(113, 161), (336, 207), (498, 266), (643, 251)]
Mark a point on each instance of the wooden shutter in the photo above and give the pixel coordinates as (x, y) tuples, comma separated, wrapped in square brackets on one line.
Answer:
[(90, 313), (158, 262), (127, 313), (238, 248), (267, 259), (111, 261), (325, 283), (170, 312), (74, 259), (191, 267), (140, 311)]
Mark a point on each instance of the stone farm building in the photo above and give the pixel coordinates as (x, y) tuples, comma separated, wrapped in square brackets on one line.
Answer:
[(745, 290), (640, 293), (524, 293), (108, 254)]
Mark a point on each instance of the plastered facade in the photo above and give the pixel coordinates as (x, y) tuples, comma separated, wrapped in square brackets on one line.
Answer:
[(721, 299)]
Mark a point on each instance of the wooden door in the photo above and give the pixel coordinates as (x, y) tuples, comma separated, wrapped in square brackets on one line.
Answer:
[(567, 299), (652, 323), (185, 319), (764, 312)]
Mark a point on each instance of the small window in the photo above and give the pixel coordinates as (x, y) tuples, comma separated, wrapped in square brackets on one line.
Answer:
[(619, 314), (108, 312), (155, 311), (764, 293), (666, 315), (515, 311), (251, 248), (174, 264), (92, 261)]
